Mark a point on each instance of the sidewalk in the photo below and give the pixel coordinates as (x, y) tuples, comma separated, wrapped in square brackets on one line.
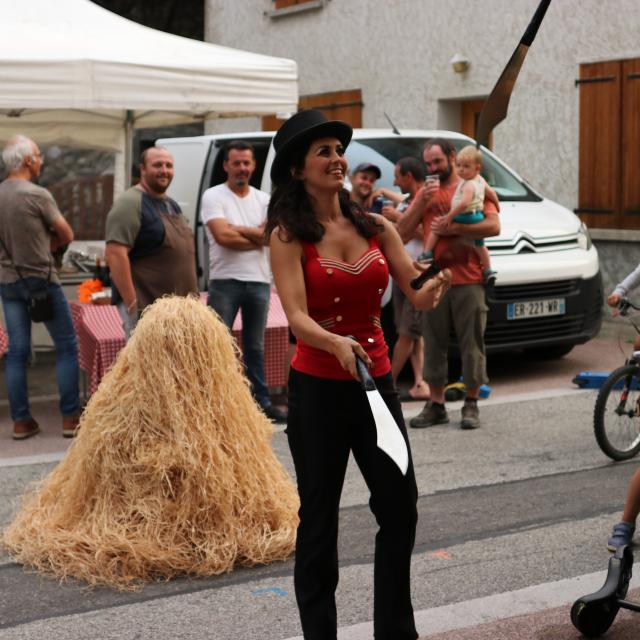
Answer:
[(539, 612), (510, 375)]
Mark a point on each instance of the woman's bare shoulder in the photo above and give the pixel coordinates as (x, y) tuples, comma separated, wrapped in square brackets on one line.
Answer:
[(280, 238)]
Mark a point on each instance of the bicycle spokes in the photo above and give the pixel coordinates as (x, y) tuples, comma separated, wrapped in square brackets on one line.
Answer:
[(617, 413)]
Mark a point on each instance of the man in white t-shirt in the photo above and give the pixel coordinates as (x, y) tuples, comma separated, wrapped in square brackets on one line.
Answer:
[(234, 215)]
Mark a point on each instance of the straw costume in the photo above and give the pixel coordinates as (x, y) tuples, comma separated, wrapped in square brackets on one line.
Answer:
[(172, 471)]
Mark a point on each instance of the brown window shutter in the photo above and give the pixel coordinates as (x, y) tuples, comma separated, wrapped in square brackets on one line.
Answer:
[(281, 4), (600, 144), (271, 123), (336, 105), (631, 143)]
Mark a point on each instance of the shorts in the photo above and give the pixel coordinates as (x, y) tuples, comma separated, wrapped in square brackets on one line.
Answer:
[(407, 318), (471, 217)]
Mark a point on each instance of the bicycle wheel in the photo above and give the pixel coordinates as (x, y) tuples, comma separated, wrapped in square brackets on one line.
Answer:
[(616, 417)]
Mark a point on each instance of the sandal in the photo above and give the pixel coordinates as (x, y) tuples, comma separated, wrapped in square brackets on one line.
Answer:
[(417, 395)]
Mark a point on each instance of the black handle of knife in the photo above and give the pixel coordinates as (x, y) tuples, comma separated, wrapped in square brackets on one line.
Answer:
[(365, 377), (534, 25), (418, 281), (363, 371)]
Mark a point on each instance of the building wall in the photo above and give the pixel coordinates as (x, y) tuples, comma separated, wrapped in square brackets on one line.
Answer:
[(398, 53)]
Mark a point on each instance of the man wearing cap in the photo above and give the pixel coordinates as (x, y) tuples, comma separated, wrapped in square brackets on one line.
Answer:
[(363, 179)]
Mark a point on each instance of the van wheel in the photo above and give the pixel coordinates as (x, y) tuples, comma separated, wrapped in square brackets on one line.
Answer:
[(549, 353)]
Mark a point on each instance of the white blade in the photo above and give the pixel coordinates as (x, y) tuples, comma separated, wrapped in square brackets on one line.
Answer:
[(390, 438)]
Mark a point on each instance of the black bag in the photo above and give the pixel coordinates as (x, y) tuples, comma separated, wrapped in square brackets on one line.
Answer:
[(41, 305), (40, 300)]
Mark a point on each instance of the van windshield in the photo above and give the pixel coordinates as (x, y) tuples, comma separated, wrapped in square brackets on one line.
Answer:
[(385, 152)]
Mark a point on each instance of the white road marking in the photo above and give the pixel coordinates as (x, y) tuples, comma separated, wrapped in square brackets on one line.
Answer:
[(491, 608)]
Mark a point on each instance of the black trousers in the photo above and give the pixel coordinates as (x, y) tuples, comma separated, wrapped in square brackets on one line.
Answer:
[(328, 419)]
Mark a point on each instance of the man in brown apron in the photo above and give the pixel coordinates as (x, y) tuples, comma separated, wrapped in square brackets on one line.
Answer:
[(150, 247)]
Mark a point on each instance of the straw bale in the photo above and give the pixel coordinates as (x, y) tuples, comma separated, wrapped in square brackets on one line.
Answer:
[(172, 471)]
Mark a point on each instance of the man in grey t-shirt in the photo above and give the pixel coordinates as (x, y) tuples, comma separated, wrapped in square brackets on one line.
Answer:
[(31, 227)]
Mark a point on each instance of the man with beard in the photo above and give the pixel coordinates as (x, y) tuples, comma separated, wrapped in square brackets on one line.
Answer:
[(150, 248), (464, 304), (234, 214)]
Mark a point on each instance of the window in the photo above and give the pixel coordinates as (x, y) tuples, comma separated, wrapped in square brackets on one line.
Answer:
[(609, 159), (336, 105), (85, 202), (469, 116)]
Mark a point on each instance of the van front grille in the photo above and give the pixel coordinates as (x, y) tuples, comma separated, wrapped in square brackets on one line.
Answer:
[(533, 329), (529, 291)]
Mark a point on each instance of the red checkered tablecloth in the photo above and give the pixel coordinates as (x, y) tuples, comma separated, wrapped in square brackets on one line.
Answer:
[(4, 342), (100, 338)]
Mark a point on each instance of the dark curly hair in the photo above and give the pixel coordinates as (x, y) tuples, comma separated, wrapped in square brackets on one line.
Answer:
[(291, 208)]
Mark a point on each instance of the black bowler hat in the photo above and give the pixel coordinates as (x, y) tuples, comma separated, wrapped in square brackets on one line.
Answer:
[(301, 129)]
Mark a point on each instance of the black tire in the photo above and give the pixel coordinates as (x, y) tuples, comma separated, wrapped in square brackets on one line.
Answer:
[(593, 619), (615, 423)]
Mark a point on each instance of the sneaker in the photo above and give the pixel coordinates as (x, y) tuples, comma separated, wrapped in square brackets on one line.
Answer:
[(470, 415), (23, 429), (70, 426), (430, 415), (622, 534), (274, 414)]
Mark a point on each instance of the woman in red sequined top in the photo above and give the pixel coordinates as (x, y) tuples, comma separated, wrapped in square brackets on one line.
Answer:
[(331, 263)]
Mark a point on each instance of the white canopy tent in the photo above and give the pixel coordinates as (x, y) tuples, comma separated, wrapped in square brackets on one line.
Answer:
[(74, 73)]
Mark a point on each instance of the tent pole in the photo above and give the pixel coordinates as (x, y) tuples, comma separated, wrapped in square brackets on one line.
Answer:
[(128, 147)]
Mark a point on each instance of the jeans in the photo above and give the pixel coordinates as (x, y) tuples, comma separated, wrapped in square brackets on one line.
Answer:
[(226, 297), (14, 303)]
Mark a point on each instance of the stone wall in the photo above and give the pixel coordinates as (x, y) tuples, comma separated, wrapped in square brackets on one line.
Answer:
[(398, 52)]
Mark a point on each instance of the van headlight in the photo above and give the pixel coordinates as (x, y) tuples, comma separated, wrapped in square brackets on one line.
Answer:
[(584, 239)]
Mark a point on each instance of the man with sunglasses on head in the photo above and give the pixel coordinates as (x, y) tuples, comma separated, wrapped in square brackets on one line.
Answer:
[(31, 227)]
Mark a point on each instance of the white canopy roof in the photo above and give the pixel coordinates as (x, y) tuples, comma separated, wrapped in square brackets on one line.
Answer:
[(70, 71)]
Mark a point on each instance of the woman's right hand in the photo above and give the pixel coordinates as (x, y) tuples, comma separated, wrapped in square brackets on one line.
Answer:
[(345, 349)]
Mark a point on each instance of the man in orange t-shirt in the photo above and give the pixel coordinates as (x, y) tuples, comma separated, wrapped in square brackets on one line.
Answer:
[(464, 304)]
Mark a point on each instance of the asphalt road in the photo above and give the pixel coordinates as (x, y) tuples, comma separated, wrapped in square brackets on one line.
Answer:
[(526, 500)]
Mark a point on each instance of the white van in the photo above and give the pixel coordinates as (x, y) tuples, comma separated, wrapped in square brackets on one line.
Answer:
[(548, 296)]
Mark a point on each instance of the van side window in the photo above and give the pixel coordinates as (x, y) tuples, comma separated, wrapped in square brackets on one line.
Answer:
[(261, 147)]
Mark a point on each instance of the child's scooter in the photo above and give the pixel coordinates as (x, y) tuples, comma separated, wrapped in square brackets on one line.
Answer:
[(592, 615)]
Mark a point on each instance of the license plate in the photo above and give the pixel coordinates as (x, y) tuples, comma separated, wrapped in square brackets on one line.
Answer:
[(535, 308)]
